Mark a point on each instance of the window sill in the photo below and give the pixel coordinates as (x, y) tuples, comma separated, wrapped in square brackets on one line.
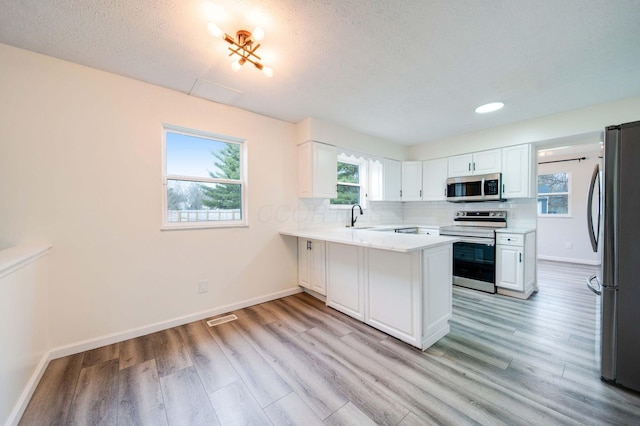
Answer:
[(200, 225), (344, 206)]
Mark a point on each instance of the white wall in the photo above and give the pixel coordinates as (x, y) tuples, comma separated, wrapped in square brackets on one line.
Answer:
[(577, 122), (24, 334), (566, 238), (80, 166), (334, 134)]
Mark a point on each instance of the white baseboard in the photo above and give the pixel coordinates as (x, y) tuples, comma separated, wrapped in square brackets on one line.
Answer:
[(29, 389), (569, 260), (109, 339)]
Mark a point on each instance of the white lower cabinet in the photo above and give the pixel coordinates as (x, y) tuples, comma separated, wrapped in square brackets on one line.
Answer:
[(312, 265), (406, 295), (409, 294), (516, 264), (393, 294), (345, 279)]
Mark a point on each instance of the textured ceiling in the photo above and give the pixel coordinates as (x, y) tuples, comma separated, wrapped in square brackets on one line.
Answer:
[(409, 71)]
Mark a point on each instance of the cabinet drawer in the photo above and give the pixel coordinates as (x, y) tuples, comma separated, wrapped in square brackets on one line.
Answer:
[(510, 239)]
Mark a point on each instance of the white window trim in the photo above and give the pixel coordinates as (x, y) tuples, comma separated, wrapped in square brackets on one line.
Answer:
[(567, 193), (362, 164), (244, 187)]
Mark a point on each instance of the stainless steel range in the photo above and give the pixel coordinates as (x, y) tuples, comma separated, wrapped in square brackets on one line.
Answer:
[(474, 256)]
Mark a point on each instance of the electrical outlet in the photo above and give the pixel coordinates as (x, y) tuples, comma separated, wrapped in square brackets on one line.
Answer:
[(203, 286)]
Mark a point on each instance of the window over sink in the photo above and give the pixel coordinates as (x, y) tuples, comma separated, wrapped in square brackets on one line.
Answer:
[(351, 182)]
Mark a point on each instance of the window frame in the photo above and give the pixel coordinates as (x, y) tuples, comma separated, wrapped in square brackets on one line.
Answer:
[(362, 178), (567, 193), (244, 205)]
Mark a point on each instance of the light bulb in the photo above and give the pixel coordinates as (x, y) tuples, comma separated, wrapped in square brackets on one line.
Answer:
[(267, 71), (258, 34), (490, 107), (214, 30), (236, 65)]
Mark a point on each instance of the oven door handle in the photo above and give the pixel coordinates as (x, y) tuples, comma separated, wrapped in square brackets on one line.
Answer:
[(483, 241)]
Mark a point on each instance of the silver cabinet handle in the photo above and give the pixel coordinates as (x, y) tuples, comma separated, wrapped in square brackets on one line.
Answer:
[(520, 257), (598, 290)]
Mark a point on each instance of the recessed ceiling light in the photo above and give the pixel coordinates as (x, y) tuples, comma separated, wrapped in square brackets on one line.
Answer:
[(490, 107)]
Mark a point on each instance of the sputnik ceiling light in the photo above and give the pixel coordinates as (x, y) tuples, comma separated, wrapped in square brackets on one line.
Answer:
[(244, 45)]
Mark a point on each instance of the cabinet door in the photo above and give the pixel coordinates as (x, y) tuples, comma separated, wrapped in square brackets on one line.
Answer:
[(517, 172), (325, 171), (411, 181), (392, 180), (317, 170), (303, 264), (317, 273), (509, 267), (345, 283), (460, 165), (487, 162), (375, 191), (393, 294), (434, 179)]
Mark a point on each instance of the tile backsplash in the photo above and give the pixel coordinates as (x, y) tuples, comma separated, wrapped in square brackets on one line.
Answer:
[(315, 213)]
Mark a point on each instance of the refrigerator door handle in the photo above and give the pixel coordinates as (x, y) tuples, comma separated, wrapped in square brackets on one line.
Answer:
[(597, 290), (593, 233)]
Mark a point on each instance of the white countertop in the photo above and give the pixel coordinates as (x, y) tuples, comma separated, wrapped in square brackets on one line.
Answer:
[(403, 243), (514, 230)]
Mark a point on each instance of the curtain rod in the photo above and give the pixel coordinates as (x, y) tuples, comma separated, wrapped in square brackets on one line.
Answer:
[(560, 161)]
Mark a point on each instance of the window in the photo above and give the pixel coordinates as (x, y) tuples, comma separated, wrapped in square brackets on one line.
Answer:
[(204, 181), (350, 179), (553, 194)]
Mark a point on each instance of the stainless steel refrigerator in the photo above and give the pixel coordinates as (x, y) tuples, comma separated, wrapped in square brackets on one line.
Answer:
[(618, 283)]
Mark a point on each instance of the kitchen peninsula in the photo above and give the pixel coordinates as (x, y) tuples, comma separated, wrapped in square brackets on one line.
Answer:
[(400, 284)]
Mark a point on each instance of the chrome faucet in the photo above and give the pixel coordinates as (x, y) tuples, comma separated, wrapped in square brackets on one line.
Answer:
[(353, 218)]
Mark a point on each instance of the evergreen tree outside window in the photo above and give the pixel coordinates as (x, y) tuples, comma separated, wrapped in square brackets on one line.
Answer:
[(203, 184), (350, 188), (553, 194)]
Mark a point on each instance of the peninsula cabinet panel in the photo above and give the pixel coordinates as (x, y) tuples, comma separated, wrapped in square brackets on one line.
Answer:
[(393, 294), (437, 294), (345, 280)]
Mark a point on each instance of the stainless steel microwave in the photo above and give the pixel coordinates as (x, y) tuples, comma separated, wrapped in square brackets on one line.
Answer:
[(475, 188)]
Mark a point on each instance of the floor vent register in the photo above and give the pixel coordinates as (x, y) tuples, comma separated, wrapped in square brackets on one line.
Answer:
[(221, 320)]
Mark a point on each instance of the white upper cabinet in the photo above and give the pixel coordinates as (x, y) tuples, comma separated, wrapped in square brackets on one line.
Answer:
[(460, 165), (317, 170), (411, 180), (517, 172), (477, 163), (392, 180), (434, 179), (375, 189)]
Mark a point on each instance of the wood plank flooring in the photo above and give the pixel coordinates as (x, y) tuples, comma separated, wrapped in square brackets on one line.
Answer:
[(294, 361)]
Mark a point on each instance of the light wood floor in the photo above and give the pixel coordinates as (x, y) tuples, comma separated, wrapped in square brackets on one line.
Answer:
[(294, 361)]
